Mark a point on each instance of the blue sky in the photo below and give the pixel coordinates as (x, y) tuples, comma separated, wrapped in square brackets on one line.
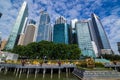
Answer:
[(107, 10)]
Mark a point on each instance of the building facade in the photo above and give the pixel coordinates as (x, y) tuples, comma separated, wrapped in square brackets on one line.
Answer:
[(44, 28), (3, 43), (100, 33), (22, 34), (18, 26), (30, 32), (61, 33), (73, 31), (60, 20), (100, 36), (84, 40), (0, 38), (118, 44)]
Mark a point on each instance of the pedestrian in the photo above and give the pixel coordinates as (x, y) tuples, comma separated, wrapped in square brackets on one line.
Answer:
[(59, 63)]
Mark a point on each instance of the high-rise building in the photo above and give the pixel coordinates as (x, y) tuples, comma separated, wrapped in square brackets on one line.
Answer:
[(3, 43), (44, 28), (99, 36), (31, 21), (18, 27), (96, 48), (100, 33), (118, 44), (84, 40), (60, 20), (30, 32), (0, 15), (61, 33), (22, 34), (73, 31), (0, 38)]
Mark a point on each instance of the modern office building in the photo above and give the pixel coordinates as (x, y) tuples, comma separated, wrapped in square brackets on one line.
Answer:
[(22, 34), (100, 33), (18, 27), (118, 44), (61, 32), (96, 48), (0, 15), (0, 38), (84, 40), (31, 21), (3, 43), (60, 20), (73, 31), (30, 32), (100, 36), (44, 28)]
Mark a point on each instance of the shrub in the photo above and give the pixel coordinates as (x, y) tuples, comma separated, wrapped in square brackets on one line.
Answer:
[(99, 64)]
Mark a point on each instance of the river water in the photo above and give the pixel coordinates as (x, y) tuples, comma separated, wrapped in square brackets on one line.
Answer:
[(23, 76)]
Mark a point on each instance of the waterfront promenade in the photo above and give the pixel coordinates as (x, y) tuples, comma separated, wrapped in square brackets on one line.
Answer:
[(18, 69), (47, 66), (96, 74)]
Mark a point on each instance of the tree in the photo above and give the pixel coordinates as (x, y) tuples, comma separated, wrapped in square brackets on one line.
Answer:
[(49, 49)]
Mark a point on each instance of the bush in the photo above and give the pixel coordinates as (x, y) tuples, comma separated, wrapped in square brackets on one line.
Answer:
[(83, 64), (99, 64)]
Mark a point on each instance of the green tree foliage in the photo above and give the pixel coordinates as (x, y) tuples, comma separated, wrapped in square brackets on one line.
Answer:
[(111, 57), (49, 49)]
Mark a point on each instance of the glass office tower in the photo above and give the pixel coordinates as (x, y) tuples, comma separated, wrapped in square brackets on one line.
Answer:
[(61, 33), (118, 44), (0, 38), (60, 20), (84, 38), (44, 28), (18, 26), (101, 36)]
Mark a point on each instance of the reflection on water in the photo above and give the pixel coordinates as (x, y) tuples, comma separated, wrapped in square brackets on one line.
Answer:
[(55, 76)]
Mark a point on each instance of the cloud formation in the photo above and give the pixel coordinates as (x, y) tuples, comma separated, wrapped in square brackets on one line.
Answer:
[(108, 11)]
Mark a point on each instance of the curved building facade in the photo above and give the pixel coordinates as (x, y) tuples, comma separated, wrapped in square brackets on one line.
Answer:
[(18, 27)]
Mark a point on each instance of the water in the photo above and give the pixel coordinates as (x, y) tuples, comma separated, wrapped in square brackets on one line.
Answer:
[(55, 76)]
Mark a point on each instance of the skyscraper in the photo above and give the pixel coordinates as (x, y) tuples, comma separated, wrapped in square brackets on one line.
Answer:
[(18, 26), (22, 34), (60, 20), (44, 28), (73, 31), (0, 38), (100, 33), (30, 32), (84, 38), (3, 43), (61, 32), (118, 44)]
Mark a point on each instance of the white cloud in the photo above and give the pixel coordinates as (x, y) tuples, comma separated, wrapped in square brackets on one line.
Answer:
[(8, 17)]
